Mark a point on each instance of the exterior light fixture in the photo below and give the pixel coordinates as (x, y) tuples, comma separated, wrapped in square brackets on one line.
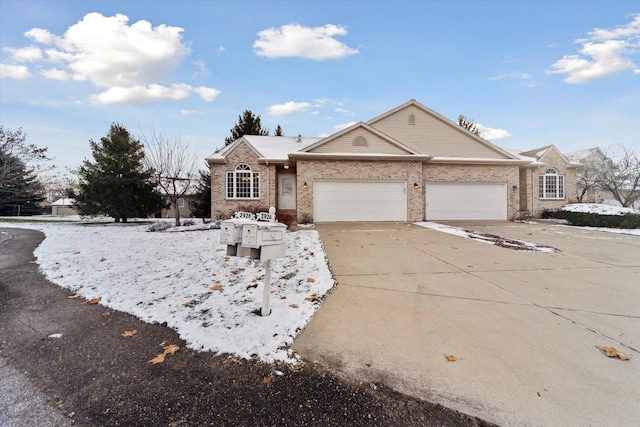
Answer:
[(515, 188), (286, 165), (305, 185), (415, 185)]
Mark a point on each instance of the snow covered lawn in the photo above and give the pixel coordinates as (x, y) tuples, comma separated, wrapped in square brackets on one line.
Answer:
[(186, 280)]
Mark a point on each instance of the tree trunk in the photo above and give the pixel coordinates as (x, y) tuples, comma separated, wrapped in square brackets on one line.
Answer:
[(176, 213)]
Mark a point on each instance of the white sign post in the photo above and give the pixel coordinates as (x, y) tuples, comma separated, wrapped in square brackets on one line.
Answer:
[(266, 293)]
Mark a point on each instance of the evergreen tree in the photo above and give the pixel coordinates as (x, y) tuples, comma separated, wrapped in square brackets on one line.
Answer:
[(116, 183), (20, 191), (248, 124), (278, 131), (201, 206)]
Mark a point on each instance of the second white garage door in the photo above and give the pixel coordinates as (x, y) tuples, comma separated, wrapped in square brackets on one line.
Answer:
[(359, 200), (466, 201)]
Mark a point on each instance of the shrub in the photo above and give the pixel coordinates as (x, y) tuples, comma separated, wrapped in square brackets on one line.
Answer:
[(159, 226), (307, 219), (188, 222), (284, 218), (552, 213), (629, 220)]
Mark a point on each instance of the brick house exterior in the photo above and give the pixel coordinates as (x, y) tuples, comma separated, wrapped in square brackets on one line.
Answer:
[(408, 164)]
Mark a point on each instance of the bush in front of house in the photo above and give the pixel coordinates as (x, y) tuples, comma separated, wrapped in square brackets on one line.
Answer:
[(627, 220), (284, 218), (552, 213)]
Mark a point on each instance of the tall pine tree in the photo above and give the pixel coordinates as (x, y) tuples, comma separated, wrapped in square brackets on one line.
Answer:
[(21, 193), (116, 182), (200, 207), (248, 124)]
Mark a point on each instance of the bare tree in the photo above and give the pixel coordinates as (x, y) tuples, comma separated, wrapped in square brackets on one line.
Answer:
[(173, 167), (619, 174), (468, 124)]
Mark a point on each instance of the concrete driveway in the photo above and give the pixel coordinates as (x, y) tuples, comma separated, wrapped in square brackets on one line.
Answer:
[(523, 326)]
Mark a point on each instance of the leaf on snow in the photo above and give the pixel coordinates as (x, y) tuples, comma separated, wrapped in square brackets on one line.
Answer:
[(217, 287), (613, 352), (450, 357), (74, 296), (129, 333), (189, 303), (310, 280), (283, 297), (293, 305), (103, 259), (94, 301), (312, 298)]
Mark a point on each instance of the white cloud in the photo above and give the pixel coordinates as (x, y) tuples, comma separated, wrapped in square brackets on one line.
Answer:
[(25, 54), (343, 126), (129, 63), (345, 112), (142, 94), (491, 134), (16, 72), (288, 108), (605, 52), (207, 93), (294, 40), (188, 112), (55, 74)]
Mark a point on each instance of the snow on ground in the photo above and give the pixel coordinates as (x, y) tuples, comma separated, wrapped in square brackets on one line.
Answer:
[(491, 239), (170, 277), (601, 209)]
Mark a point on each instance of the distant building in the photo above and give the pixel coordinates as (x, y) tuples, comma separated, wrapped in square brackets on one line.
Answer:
[(64, 207)]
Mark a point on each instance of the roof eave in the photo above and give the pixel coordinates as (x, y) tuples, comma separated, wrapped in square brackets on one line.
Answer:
[(360, 156)]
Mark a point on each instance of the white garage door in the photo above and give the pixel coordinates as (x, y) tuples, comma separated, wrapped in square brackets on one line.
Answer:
[(354, 200), (449, 200)]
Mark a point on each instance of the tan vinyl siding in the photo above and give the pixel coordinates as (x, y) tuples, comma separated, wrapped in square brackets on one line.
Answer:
[(429, 135), (344, 144)]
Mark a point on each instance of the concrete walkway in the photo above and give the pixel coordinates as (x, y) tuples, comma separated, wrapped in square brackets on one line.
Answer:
[(523, 326)]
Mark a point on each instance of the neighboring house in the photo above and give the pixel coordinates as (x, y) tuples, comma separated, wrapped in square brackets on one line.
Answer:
[(183, 207), (408, 164), (64, 207), (586, 189)]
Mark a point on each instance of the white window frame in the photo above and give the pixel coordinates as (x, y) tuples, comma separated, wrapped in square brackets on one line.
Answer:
[(242, 183), (551, 185)]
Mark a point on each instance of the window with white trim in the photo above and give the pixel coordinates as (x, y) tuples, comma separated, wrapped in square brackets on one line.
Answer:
[(551, 185), (243, 183)]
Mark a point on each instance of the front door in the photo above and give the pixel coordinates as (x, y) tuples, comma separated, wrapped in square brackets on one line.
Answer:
[(286, 192)]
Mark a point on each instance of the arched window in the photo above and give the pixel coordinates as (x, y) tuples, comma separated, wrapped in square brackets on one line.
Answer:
[(243, 183), (360, 141), (551, 185), (412, 119)]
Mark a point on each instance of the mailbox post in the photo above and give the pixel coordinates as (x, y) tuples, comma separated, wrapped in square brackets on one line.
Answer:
[(261, 238)]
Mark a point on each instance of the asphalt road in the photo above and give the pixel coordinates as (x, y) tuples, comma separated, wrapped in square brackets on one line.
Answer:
[(64, 362)]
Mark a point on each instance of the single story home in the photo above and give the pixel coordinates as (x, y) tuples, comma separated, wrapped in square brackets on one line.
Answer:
[(408, 164), (64, 207)]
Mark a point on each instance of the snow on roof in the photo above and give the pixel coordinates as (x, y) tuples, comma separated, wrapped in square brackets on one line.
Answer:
[(580, 155), (273, 147), (63, 202)]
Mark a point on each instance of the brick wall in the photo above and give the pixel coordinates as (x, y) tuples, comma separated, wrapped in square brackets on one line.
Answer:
[(221, 207), (552, 160)]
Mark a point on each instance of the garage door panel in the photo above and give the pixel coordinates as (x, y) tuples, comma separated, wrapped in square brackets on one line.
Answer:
[(354, 200), (466, 201)]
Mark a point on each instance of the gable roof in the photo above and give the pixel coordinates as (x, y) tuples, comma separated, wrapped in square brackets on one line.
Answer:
[(275, 148), (363, 126), (447, 123), (582, 155), (540, 153)]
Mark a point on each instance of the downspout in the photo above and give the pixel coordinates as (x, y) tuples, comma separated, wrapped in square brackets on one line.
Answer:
[(268, 184)]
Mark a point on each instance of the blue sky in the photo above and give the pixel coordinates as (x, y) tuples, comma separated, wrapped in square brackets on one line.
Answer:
[(530, 73)]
